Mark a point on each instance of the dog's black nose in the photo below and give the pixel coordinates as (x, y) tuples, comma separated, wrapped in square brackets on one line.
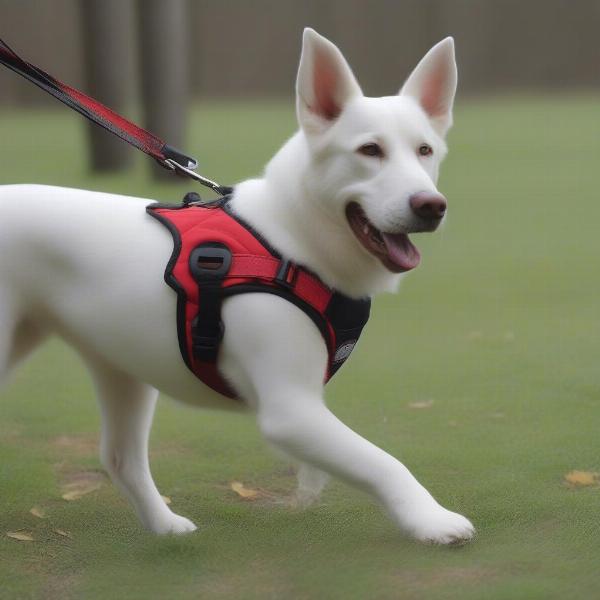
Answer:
[(428, 205)]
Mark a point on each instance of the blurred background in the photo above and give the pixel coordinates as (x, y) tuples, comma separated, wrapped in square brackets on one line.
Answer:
[(151, 58), (481, 374)]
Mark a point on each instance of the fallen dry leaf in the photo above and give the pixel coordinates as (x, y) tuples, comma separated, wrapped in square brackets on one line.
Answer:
[(582, 478), (241, 490), (80, 484), (166, 499), (421, 404), (38, 512), (21, 536), (62, 532)]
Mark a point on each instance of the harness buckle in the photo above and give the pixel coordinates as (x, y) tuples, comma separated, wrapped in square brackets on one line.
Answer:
[(286, 274)]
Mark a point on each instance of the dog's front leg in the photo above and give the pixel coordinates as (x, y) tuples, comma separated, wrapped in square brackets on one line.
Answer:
[(303, 427), (275, 354), (311, 482)]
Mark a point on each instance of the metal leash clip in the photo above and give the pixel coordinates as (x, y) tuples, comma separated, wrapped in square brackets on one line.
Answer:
[(169, 163)]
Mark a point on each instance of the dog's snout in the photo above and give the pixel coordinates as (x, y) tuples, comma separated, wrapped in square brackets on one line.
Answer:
[(428, 205)]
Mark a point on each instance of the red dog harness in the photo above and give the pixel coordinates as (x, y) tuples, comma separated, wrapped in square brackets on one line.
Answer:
[(217, 255)]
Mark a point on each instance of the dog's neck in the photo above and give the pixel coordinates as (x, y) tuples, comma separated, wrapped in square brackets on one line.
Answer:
[(287, 208)]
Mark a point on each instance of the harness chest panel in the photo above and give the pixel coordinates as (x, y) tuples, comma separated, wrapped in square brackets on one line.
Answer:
[(217, 255)]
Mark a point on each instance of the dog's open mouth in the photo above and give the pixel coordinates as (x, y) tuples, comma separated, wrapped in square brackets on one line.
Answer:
[(394, 250)]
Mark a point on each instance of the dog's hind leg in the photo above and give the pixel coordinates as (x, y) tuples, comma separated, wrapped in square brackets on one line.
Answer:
[(8, 324), (18, 337), (127, 408), (27, 337)]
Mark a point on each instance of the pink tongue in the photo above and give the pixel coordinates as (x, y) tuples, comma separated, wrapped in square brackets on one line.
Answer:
[(401, 251)]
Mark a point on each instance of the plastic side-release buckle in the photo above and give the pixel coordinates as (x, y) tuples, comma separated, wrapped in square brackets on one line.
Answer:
[(286, 274)]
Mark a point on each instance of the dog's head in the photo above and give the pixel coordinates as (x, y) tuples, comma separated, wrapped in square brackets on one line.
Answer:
[(376, 160)]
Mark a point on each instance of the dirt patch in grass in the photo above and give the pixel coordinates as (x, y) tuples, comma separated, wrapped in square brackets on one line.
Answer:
[(255, 580), (419, 581), (77, 484), (60, 586), (168, 448), (276, 488), (9, 433), (55, 585), (80, 445), (88, 445)]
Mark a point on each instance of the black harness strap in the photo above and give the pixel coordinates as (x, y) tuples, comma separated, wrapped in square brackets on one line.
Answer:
[(209, 263)]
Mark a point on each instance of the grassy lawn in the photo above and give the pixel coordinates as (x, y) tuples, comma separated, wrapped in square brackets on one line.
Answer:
[(497, 335)]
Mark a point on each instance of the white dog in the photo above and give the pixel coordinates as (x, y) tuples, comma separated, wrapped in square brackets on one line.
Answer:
[(339, 198)]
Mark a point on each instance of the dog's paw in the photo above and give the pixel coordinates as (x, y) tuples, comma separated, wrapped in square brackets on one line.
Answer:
[(437, 525), (311, 482), (175, 524), (304, 498)]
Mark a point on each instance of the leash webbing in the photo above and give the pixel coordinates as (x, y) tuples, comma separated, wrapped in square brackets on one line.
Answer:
[(100, 114)]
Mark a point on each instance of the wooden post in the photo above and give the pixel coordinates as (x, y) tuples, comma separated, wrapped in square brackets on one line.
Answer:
[(164, 70), (106, 26)]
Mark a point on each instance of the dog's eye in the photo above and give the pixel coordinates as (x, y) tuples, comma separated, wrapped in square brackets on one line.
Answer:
[(425, 150), (371, 149)]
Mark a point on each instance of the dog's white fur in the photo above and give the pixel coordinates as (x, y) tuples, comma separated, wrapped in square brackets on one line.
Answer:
[(89, 267)]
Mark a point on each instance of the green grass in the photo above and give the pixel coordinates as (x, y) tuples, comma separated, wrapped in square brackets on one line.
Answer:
[(499, 327)]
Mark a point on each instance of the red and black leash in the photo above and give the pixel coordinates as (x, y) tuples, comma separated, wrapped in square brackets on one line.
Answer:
[(91, 109)]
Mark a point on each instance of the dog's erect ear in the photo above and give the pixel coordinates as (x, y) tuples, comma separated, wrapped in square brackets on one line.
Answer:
[(325, 83), (433, 84)]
